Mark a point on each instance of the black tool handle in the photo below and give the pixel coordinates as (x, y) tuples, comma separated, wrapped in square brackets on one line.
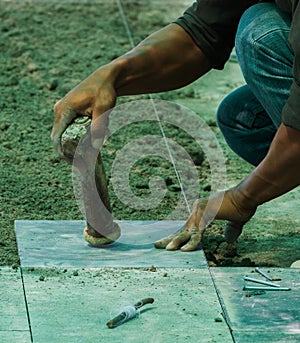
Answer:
[(143, 302), (117, 320)]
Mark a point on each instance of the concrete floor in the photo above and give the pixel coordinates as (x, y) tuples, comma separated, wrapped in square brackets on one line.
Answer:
[(50, 299)]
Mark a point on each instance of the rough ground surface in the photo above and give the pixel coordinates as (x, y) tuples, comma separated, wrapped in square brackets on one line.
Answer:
[(46, 49)]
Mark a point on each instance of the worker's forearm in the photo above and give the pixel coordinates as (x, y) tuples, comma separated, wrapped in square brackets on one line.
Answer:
[(167, 59), (277, 174)]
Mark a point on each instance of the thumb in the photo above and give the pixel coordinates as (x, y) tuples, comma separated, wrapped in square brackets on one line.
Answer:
[(100, 117), (99, 128)]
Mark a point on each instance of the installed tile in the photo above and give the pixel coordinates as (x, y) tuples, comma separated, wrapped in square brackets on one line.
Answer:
[(274, 311), (15, 337), (12, 304), (60, 243), (265, 337), (74, 305)]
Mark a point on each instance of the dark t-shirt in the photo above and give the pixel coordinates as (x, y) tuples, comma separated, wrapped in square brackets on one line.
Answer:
[(212, 24)]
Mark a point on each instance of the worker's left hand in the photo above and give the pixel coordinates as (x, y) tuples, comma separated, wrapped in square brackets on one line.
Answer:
[(93, 97), (221, 205)]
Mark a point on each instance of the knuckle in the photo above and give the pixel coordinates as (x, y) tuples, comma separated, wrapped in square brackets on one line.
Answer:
[(200, 204), (57, 107)]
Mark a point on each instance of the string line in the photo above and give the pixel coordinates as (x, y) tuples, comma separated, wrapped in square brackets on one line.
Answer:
[(130, 37)]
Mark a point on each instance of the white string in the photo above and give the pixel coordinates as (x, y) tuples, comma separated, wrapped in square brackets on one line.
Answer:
[(125, 23), (170, 155), (128, 31)]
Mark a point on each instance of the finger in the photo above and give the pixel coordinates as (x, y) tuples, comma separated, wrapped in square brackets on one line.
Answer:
[(162, 243), (62, 120), (193, 243), (179, 239), (196, 214), (99, 129), (232, 231)]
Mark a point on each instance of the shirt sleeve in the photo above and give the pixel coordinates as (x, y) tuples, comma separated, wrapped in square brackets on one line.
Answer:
[(212, 24), (291, 110)]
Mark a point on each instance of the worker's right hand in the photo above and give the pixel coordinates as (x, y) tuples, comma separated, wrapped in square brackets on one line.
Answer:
[(93, 97), (220, 205)]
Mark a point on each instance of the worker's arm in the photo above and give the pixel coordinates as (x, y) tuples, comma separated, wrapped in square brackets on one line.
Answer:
[(166, 60), (277, 174)]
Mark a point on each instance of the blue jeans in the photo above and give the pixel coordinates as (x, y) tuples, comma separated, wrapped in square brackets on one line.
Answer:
[(250, 116)]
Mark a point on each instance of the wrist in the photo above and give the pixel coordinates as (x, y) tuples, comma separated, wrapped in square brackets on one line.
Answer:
[(111, 73), (118, 69), (243, 198)]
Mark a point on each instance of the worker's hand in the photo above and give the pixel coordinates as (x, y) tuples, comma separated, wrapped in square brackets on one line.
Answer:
[(94, 97), (219, 206)]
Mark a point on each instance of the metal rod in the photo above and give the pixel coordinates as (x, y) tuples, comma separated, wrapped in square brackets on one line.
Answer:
[(261, 272), (272, 284), (258, 288)]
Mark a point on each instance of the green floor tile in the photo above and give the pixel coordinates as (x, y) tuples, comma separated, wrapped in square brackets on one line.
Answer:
[(74, 305), (12, 305), (60, 244), (15, 337), (266, 337), (261, 317)]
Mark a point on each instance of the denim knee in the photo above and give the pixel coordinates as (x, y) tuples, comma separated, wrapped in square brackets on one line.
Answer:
[(226, 115), (263, 29), (265, 56), (246, 127)]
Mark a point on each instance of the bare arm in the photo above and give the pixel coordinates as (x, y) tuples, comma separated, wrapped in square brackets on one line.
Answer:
[(277, 174), (166, 60)]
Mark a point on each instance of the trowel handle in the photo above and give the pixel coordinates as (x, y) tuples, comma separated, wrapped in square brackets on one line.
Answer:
[(143, 302)]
